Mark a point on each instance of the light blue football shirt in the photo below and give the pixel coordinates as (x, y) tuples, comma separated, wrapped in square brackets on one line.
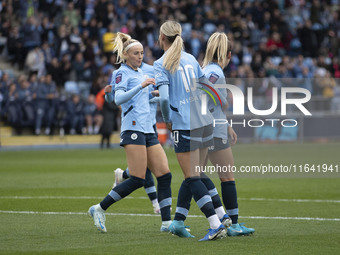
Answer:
[(136, 111), (149, 73), (109, 97), (184, 95), (214, 73)]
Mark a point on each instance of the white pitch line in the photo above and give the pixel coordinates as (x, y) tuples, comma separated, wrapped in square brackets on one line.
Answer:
[(155, 215), (62, 197), (291, 200), (243, 199)]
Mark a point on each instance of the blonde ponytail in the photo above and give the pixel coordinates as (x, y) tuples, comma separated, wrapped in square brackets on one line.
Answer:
[(173, 31), (218, 47), (121, 43)]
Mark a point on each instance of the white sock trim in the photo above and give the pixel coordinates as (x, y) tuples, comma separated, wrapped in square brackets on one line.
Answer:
[(214, 221), (220, 212), (166, 223)]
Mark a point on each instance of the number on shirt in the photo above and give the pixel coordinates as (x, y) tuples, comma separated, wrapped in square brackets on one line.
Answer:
[(187, 74)]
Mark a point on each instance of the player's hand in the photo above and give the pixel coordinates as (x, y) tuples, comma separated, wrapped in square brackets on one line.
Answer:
[(232, 135), (148, 81), (169, 126), (155, 93), (108, 88)]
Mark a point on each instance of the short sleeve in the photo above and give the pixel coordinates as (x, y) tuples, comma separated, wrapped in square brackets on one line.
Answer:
[(113, 77), (200, 73), (120, 81), (213, 77), (161, 76), (216, 78)]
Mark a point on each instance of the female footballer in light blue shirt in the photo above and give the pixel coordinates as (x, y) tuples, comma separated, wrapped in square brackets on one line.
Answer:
[(217, 57), (181, 108), (137, 134), (121, 175)]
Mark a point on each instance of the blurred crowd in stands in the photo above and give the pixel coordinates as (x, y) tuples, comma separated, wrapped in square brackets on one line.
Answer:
[(64, 49)]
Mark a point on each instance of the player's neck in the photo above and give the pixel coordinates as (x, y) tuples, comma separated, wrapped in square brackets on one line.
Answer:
[(131, 66), (166, 46)]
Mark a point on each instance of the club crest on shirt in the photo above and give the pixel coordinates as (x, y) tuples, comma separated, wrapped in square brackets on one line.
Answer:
[(119, 78), (213, 78), (134, 136)]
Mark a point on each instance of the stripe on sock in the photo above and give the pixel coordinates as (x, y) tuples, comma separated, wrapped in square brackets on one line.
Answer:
[(182, 210), (213, 192), (232, 211), (150, 189), (115, 195), (165, 202), (203, 200)]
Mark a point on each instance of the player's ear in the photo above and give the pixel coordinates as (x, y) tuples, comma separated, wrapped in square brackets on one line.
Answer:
[(125, 54), (161, 36), (229, 55)]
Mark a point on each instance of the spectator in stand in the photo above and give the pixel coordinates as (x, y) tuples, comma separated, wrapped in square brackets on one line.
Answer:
[(48, 30), (15, 48), (275, 45), (76, 41), (25, 96), (92, 28), (66, 68), (94, 118), (56, 70), (110, 111), (62, 42), (335, 68), (196, 43), (97, 85), (48, 53), (101, 8), (328, 84), (108, 39), (33, 80), (256, 64), (35, 61), (80, 66), (75, 110), (87, 8), (72, 14), (5, 82), (308, 39), (111, 16), (46, 104), (83, 70), (1, 102), (12, 107), (31, 34)]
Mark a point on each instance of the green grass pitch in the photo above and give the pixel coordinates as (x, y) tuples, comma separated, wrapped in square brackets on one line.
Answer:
[(293, 213)]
